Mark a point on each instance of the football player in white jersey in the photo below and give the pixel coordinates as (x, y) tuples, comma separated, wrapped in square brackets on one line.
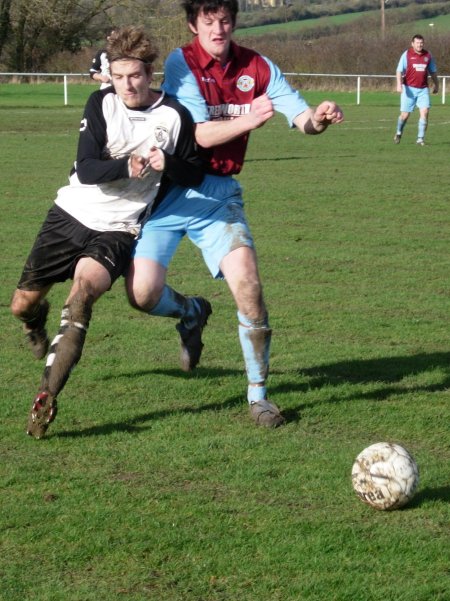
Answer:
[(134, 144), (99, 70)]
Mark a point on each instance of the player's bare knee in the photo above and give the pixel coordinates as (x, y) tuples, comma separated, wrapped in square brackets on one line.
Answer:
[(22, 306), (144, 298), (17, 307)]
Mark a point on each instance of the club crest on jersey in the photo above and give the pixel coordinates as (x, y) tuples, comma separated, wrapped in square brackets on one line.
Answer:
[(245, 83), (161, 134)]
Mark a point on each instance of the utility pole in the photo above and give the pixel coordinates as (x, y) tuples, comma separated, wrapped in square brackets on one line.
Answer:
[(287, 5), (383, 22)]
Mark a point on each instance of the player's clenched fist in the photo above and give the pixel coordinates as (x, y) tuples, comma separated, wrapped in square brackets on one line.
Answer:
[(328, 112), (261, 110), (156, 159)]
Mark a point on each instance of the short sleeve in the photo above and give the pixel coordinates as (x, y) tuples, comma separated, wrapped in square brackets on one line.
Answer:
[(180, 83), (285, 99)]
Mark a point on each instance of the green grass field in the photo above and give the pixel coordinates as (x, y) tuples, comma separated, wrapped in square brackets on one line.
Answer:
[(155, 485)]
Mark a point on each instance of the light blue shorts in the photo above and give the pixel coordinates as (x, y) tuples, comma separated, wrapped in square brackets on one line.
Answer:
[(412, 97), (212, 216)]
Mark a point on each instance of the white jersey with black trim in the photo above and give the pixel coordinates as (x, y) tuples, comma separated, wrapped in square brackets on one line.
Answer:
[(100, 64), (101, 195)]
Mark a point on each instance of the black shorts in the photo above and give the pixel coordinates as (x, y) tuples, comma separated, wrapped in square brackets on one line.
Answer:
[(62, 241)]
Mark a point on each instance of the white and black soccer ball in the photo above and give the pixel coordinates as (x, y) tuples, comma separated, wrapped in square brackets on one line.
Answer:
[(385, 476)]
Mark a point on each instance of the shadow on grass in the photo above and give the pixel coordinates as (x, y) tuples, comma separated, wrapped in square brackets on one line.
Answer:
[(382, 371), (292, 158), (387, 370), (354, 371), (134, 424), (176, 372), (430, 494), (274, 159)]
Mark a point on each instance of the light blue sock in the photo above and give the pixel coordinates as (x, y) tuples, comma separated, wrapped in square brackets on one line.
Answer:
[(422, 128), (256, 393), (400, 126), (255, 339), (174, 304)]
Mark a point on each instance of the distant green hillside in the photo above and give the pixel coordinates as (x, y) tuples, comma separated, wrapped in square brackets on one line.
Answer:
[(296, 26), (351, 42), (440, 23)]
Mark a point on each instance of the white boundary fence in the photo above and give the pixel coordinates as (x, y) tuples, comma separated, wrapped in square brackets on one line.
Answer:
[(359, 79)]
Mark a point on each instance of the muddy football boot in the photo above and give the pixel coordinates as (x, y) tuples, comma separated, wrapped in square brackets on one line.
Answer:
[(266, 414), (42, 413), (191, 338)]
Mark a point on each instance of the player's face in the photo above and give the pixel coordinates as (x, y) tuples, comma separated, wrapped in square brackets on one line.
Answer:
[(214, 32), (131, 80), (417, 45)]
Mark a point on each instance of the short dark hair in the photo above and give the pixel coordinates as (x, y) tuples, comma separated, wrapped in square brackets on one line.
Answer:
[(194, 7), (131, 43), (417, 36)]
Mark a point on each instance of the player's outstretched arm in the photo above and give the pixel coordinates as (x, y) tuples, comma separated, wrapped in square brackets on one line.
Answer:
[(315, 121), (214, 133)]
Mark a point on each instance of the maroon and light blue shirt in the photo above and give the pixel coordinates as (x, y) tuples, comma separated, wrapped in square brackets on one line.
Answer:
[(416, 68), (211, 91)]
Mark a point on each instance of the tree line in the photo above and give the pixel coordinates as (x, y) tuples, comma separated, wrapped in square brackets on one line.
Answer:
[(33, 31), (61, 35)]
